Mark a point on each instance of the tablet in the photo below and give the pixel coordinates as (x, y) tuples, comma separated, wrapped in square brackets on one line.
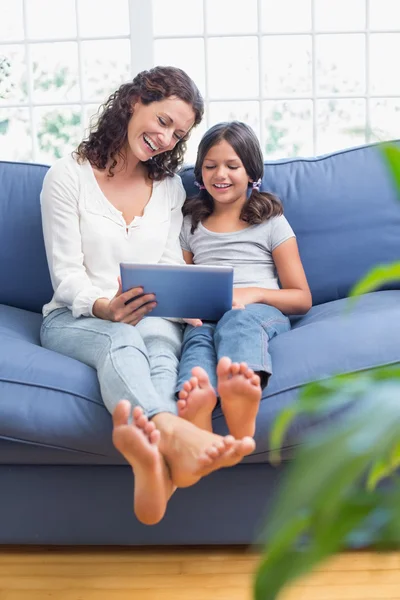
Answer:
[(183, 291)]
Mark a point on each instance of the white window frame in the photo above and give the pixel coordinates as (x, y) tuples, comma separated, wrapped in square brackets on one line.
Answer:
[(142, 40)]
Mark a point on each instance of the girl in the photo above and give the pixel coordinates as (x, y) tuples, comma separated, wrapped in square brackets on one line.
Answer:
[(232, 222)]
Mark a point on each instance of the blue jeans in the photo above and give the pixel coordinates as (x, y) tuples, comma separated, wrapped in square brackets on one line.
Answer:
[(137, 363), (242, 335)]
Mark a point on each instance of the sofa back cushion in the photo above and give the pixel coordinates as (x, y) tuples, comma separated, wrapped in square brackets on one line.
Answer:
[(24, 275), (344, 210)]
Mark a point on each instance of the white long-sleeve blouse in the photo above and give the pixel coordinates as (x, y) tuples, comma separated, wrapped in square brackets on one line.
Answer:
[(86, 237)]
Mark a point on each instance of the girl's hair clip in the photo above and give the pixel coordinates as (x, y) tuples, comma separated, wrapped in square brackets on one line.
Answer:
[(199, 185), (256, 185)]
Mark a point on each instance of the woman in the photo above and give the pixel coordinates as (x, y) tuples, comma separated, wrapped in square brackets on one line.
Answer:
[(117, 199)]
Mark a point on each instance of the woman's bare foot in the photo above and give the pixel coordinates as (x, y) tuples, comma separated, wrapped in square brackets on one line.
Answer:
[(191, 453), (138, 443), (197, 400), (240, 392)]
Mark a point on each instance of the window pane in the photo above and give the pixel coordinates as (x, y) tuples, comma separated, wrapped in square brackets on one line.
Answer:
[(11, 22), (249, 112), (58, 131), (340, 124), (384, 53), (287, 129), (232, 16), (339, 15), (385, 118), (102, 18), (106, 64), (90, 118), (193, 143), (287, 65), (13, 84), (55, 72), (233, 67), (384, 14), (15, 134), (50, 19), (340, 64), (178, 17), (285, 15), (185, 54)]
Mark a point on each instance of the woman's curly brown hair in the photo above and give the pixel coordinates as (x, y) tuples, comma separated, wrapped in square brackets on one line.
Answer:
[(108, 136), (259, 206)]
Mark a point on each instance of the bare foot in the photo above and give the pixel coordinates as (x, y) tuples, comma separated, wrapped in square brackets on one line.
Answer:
[(191, 452), (138, 442), (197, 400), (240, 392)]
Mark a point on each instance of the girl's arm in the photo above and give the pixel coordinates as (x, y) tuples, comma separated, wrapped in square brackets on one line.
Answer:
[(295, 297), (188, 257)]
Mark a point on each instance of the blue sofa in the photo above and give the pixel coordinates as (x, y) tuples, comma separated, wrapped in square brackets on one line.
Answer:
[(62, 481)]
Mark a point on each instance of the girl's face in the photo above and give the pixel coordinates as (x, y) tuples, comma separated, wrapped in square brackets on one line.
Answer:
[(224, 175), (157, 127)]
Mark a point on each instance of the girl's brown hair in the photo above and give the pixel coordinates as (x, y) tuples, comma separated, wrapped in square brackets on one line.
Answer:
[(260, 206), (108, 136)]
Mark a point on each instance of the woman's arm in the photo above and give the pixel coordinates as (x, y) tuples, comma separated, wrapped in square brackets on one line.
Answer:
[(62, 238), (295, 297)]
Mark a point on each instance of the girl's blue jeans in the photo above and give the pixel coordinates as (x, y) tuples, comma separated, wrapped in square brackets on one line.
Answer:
[(242, 335)]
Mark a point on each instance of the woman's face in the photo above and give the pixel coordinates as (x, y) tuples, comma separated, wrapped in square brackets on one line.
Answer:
[(157, 127)]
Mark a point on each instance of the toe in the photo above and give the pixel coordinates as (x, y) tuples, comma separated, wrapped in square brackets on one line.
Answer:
[(229, 441), (137, 412), (181, 403), (187, 386), (154, 437), (223, 368), (201, 375), (247, 445), (149, 427), (235, 368), (194, 382), (141, 421), (122, 413), (212, 452), (249, 373), (243, 367), (183, 395)]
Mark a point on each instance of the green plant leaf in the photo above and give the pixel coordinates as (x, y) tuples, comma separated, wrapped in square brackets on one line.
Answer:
[(323, 499), (376, 278), (392, 156), (383, 468)]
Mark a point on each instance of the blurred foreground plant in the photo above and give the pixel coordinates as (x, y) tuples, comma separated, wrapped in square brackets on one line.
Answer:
[(329, 499)]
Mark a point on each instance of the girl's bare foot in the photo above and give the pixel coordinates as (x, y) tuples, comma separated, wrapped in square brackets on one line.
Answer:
[(240, 392), (138, 442), (197, 400), (191, 453)]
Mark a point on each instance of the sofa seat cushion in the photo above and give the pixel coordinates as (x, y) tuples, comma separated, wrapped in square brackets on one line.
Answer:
[(50, 405), (51, 409), (331, 339)]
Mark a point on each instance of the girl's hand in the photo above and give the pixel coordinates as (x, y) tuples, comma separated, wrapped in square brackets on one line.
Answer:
[(243, 296), (126, 307), (194, 322)]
